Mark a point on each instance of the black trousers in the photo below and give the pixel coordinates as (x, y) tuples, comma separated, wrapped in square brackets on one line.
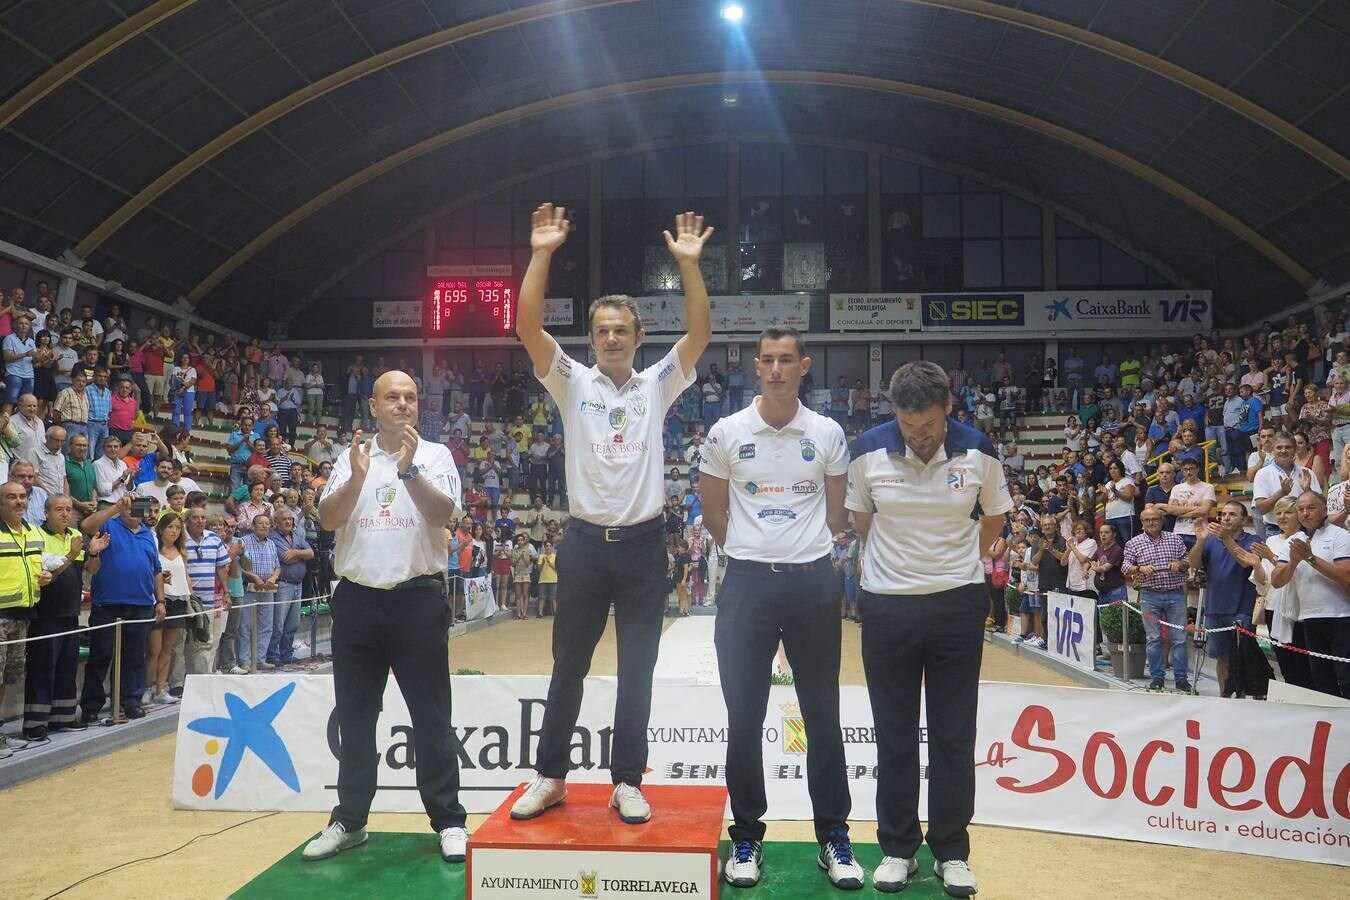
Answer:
[(135, 637), (933, 642), (406, 631), (592, 574), (49, 673), (756, 610), (1332, 637), (1294, 666)]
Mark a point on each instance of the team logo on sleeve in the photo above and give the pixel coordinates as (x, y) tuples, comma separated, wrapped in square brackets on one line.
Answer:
[(747, 451), (808, 449)]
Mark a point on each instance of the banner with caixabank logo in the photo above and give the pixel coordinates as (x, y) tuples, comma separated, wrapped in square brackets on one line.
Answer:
[(1138, 312), (1269, 779)]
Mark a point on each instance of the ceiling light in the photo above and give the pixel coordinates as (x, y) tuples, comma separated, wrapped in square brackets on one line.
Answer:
[(733, 12), (730, 99)]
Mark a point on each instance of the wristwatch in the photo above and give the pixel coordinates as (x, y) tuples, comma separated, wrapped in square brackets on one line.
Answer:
[(413, 472)]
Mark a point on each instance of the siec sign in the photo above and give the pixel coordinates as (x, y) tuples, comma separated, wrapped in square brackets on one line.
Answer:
[(956, 311)]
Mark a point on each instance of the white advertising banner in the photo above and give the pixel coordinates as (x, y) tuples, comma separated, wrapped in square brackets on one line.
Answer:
[(1167, 769), (479, 602), (557, 311), (1071, 623), (1119, 312), (750, 313), (397, 314), (875, 312)]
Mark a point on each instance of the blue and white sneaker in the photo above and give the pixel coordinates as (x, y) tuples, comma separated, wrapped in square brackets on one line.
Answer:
[(742, 868), (836, 858)]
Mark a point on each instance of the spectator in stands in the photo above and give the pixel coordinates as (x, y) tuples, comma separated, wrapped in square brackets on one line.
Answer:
[(293, 554), (289, 401), (71, 407), (208, 567), (320, 447), (1280, 604), (25, 473), (860, 402), (166, 634), (20, 349), (278, 460), (1224, 551), (1305, 456), (28, 428), (1316, 565), (81, 478), (1282, 477), (1120, 492), (1157, 561), (21, 578), (314, 388), (557, 473), (261, 575), (256, 504), (126, 586), (123, 407), (154, 353), (52, 664)]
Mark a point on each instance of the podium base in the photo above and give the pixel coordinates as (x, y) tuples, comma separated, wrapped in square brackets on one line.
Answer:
[(394, 865)]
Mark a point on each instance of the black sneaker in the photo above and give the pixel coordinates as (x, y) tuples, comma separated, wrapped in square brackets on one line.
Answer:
[(1156, 684), (176, 691), (88, 718), (134, 712), (36, 735), (76, 725), (1185, 687)]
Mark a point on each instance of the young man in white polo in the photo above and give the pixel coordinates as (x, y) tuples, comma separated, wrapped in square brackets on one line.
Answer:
[(926, 493), (773, 480), (615, 552)]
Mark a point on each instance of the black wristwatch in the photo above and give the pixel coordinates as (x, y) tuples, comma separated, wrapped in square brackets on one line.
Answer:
[(413, 472)]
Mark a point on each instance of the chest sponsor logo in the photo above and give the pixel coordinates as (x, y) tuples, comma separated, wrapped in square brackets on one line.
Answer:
[(893, 479), (747, 451), (617, 416), (805, 487), (752, 487), (618, 448), (776, 515), (592, 408), (808, 449), (956, 478)]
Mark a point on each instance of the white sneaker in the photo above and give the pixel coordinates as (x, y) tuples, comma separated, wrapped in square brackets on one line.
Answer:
[(332, 841), (539, 797), (957, 879), (1038, 642), (742, 868), (238, 670), (632, 806), (454, 842), (164, 698), (836, 858), (894, 873)]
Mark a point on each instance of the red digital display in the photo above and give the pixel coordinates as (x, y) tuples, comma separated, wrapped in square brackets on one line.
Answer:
[(471, 307)]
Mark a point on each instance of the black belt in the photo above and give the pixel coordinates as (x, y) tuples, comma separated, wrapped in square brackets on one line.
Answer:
[(615, 533), (421, 581), (749, 565)]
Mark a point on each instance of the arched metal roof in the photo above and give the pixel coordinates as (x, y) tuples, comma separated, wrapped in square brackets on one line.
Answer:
[(235, 150)]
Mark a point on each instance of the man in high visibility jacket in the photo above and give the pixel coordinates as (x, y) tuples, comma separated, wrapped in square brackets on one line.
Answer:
[(21, 580)]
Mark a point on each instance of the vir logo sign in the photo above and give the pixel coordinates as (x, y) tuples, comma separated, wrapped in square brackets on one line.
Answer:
[(1185, 309), (1075, 637)]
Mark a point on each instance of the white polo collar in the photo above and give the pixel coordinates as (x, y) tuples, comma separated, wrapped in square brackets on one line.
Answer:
[(759, 426)]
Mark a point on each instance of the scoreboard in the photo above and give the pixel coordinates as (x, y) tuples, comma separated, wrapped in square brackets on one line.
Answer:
[(471, 306)]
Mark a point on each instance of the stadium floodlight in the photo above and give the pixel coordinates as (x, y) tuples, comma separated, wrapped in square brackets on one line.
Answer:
[(733, 12)]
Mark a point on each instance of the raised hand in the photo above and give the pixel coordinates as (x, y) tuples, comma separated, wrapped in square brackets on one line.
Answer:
[(690, 235), (99, 542), (1264, 552), (1201, 527), (1305, 479), (1299, 551), (1286, 485), (548, 227), (360, 458)]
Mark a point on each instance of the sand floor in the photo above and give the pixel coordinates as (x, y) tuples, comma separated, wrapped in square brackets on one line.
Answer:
[(65, 827)]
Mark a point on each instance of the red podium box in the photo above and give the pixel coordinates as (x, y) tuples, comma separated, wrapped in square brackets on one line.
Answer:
[(581, 849)]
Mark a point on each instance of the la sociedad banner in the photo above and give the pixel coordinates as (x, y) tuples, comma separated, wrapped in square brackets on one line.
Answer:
[(1269, 779), (1142, 312)]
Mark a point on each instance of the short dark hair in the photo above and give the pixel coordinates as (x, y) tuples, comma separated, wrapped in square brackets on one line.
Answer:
[(920, 385), (777, 333), (615, 301)]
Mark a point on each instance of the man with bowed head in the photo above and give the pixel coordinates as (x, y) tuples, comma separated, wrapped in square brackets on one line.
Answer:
[(926, 493), (388, 500), (615, 550)]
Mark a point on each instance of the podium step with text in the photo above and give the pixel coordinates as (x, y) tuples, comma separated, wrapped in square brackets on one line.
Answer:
[(581, 849)]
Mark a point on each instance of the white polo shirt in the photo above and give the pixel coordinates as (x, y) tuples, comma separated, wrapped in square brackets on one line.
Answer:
[(925, 532), (1184, 494), (1318, 596), (1266, 484), (387, 541), (615, 458), (776, 482)]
